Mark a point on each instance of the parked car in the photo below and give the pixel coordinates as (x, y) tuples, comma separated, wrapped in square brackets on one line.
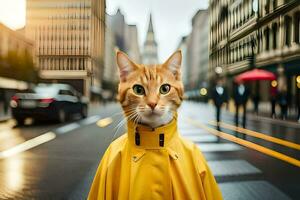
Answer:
[(48, 102)]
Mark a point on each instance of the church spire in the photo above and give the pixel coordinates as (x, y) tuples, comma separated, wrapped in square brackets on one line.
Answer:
[(150, 27), (150, 45)]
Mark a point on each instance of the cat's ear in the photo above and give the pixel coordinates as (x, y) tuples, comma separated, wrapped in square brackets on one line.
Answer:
[(174, 63), (125, 65)]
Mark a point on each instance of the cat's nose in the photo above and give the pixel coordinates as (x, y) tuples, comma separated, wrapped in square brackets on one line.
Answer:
[(152, 105)]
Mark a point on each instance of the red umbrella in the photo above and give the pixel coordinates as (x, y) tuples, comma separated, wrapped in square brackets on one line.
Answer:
[(254, 75)]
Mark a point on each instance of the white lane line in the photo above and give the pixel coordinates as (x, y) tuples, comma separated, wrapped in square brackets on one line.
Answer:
[(29, 144), (67, 128), (90, 120), (219, 147), (46, 137)]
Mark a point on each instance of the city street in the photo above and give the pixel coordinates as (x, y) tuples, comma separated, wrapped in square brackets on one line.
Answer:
[(45, 160), (63, 65)]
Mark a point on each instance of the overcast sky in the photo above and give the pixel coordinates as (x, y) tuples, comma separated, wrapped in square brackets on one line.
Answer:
[(12, 13), (171, 19)]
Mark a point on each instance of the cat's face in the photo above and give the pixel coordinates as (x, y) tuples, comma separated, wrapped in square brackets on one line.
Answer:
[(150, 94)]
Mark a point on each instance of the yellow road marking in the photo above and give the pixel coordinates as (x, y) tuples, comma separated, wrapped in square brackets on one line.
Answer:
[(104, 122), (258, 135), (29, 144), (245, 143)]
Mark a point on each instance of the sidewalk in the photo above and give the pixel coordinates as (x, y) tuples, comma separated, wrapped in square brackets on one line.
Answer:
[(264, 112)]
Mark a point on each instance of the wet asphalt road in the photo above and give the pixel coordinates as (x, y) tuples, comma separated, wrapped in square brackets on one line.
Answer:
[(64, 166)]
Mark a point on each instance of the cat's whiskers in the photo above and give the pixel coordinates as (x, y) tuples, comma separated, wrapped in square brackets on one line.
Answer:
[(129, 113), (123, 112), (136, 120), (123, 121)]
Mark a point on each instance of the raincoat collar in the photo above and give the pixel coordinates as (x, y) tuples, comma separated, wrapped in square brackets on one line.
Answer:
[(143, 137)]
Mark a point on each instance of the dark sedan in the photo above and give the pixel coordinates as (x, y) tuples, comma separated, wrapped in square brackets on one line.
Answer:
[(48, 101)]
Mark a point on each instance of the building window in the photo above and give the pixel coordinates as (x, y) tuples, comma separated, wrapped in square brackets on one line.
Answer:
[(296, 26), (274, 4), (236, 53), (287, 25), (239, 52), (274, 30), (61, 63), (267, 38), (68, 64), (267, 6), (51, 64), (71, 64), (81, 64)]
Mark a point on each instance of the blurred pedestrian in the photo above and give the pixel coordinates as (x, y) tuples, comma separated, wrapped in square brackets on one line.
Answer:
[(6, 103), (256, 97), (256, 100), (283, 103), (3, 99), (219, 96), (282, 92), (273, 98), (240, 95), (298, 104)]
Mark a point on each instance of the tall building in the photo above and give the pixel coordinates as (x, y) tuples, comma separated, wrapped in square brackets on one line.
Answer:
[(69, 37), (150, 46), (110, 75), (233, 26), (16, 65), (132, 43), (16, 58), (257, 34), (198, 50), (183, 44), (11, 40), (121, 36), (195, 53), (117, 24)]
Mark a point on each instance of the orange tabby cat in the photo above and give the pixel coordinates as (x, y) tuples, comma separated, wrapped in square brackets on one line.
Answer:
[(150, 94), (151, 161)]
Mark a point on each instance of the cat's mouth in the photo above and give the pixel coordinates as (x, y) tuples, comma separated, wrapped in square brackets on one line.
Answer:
[(153, 113)]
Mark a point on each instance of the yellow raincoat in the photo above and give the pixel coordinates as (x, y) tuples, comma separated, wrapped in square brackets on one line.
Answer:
[(153, 164)]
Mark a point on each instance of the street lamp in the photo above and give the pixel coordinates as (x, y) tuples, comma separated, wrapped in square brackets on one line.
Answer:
[(274, 83), (298, 81), (218, 70), (203, 91)]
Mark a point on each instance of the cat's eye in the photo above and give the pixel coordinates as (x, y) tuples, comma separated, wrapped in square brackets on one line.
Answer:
[(164, 89), (138, 89)]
